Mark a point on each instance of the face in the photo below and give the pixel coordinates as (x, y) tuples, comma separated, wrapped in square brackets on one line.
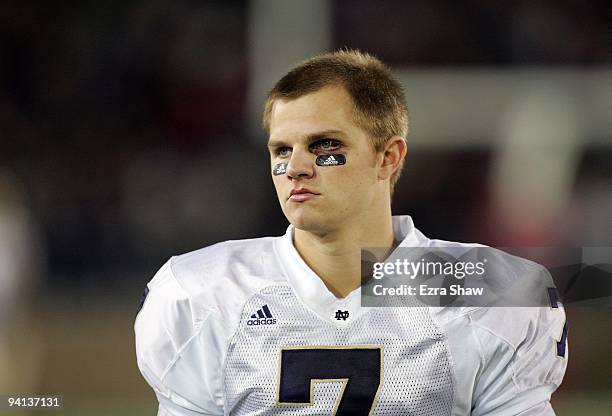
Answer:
[(322, 198)]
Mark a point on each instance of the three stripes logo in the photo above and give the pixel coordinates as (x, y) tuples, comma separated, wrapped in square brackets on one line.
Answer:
[(330, 160), (263, 316)]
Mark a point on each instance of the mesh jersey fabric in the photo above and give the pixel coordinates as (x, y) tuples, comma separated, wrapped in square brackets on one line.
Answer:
[(416, 368), (195, 346)]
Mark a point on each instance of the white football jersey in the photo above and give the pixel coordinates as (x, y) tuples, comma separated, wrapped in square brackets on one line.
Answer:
[(247, 328)]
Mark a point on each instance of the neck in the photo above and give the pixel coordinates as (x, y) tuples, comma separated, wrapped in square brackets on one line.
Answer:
[(336, 255)]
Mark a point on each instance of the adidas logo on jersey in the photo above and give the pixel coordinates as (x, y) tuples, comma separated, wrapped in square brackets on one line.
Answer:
[(263, 316)]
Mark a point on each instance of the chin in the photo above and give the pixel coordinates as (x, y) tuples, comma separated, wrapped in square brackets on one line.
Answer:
[(307, 221)]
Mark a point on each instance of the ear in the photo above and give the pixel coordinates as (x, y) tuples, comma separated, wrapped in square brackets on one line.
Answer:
[(392, 154)]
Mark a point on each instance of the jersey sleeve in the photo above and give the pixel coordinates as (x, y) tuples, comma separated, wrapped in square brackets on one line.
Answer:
[(179, 349), (524, 355)]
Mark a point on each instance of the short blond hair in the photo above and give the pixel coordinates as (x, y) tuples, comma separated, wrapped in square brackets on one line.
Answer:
[(379, 102)]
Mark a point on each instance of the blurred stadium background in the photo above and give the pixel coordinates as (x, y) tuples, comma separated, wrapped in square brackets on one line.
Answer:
[(129, 132)]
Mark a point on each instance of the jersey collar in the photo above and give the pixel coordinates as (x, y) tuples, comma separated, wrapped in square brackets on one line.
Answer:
[(311, 290)]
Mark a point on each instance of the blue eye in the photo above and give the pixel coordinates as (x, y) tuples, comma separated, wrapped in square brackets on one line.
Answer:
[(325, 145), (283, 151)]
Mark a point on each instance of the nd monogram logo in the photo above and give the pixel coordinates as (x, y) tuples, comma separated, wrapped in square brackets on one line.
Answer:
[(342, 315)]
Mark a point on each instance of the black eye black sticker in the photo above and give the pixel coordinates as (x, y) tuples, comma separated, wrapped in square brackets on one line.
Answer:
[(279, 169), (331, 160)]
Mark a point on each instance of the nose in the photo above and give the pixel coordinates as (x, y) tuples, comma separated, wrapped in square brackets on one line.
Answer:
[(300, 164)]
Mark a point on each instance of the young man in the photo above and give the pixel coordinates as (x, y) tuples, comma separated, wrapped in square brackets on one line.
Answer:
[(275, 325)]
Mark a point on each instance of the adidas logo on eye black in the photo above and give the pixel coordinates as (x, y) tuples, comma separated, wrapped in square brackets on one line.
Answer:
[(330, 160), (263, 316)]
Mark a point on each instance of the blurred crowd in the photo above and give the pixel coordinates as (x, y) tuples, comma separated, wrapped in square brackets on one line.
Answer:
[(122, 134)]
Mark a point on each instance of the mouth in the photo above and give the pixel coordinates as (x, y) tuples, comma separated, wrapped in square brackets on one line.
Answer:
[(302, 194)]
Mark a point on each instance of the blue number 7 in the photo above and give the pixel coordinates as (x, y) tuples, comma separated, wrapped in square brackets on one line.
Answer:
[(358, 367), (553, 296)]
